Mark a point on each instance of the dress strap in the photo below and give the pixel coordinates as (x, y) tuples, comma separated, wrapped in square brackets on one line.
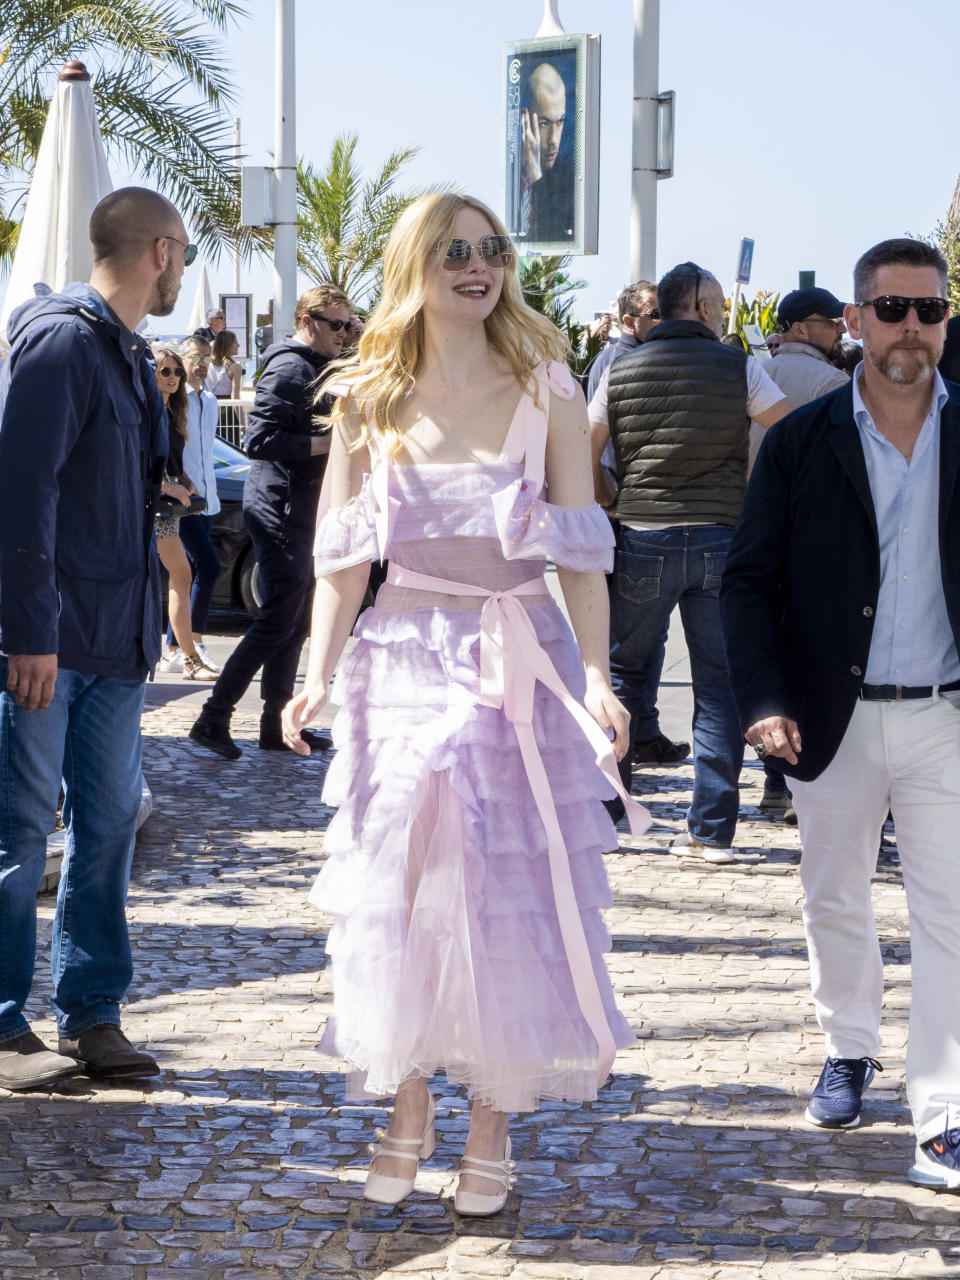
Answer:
[(512, 662)]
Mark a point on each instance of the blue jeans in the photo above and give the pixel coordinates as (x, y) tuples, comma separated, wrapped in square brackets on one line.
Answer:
[(89, 735), (656, 569), (196, 536)]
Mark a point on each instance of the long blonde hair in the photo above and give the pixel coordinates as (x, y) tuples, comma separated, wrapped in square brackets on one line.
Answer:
[(390, 354)]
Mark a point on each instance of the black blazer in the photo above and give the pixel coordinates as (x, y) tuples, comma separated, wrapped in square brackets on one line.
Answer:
[(800, 588)]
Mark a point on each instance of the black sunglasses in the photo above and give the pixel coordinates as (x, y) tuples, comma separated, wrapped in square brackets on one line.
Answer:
[(168, 372), (891, 309), (645, 315), (335, 325), (190, 251), (496, 252)]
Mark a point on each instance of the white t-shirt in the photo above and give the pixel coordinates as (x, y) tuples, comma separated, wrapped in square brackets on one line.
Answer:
[(762, 393)]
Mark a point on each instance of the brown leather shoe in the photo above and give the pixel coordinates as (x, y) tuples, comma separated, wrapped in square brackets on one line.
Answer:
[(105, 1051), (27, 1063)]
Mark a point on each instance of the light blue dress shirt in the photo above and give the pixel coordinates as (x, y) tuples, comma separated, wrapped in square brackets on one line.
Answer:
[(912, 641)]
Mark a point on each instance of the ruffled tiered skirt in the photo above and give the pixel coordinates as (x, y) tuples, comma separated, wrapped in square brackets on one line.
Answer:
[(447, 951)]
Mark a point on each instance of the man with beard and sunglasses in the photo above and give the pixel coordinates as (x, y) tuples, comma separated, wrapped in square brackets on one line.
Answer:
[(280, 495), (83, 440), (841, 612)]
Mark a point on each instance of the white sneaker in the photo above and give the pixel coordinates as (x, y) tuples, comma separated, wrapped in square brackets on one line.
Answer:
[(709, 853), (172, 661), (205, 658)]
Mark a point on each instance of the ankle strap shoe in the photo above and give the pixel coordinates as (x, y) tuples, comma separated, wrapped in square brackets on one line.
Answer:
[(385, 1190), (473, 1205)]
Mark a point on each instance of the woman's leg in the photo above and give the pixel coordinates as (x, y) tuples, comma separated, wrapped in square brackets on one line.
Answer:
[(408, 1121), (486, 1140), (174, 560)]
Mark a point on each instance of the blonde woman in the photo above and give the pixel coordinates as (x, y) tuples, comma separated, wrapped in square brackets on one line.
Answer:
[(171, 379), (465, 859)]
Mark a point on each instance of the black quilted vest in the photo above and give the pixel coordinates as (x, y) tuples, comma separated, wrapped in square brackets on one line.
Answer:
[(678, 419)]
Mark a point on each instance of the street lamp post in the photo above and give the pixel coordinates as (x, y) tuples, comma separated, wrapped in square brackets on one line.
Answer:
[(646, 123), (285, 175)]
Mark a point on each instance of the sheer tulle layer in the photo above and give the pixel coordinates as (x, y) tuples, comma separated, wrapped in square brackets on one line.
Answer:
[(490, 500), (447, 951)]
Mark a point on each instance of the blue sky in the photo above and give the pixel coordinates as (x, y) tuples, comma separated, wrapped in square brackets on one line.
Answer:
[(817, 128)]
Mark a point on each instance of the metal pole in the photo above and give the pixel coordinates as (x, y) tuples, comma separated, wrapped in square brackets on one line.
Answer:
[(646, 78), (285, 176), (734, 308), (236, 251)]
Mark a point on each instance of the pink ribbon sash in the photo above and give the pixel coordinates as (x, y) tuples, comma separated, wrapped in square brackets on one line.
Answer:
[(512, 661)]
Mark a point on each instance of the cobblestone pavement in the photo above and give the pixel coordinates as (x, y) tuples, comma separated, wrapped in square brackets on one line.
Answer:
[(243, 1161)]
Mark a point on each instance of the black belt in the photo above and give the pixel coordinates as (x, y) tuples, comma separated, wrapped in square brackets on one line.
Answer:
[(898, 692)]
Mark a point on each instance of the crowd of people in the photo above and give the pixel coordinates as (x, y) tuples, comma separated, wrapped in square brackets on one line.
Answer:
[(802, 521)]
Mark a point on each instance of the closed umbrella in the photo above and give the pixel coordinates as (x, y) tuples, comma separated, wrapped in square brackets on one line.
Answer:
[(202, 302), (70, 178)]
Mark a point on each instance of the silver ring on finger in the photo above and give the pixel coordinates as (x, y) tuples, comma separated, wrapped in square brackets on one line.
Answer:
[(761, 751)]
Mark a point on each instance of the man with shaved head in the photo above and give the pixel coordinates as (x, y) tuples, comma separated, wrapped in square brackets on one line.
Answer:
[(546, 174), (83, 440)]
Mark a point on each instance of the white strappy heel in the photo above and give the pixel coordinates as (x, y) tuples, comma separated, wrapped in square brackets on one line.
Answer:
[(383, 1190), (473, 1205)]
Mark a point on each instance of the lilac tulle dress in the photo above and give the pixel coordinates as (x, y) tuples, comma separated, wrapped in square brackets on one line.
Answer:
[(464, 861)]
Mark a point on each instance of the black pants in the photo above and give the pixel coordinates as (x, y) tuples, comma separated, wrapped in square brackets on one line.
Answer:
[(273, 640)]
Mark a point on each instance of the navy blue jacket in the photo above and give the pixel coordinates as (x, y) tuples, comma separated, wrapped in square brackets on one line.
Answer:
[(283, 484), (83, 436), (802, 578)]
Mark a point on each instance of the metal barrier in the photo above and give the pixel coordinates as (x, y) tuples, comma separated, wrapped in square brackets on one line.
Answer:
[(232, 421)]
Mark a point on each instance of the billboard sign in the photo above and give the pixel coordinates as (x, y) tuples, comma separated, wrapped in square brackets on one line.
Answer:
[(552, 143)]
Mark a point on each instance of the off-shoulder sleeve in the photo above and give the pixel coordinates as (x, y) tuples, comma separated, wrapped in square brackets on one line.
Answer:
[(560, 379), (531, 528), (347, 535)]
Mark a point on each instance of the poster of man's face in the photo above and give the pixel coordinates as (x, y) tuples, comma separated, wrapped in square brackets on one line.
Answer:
[(543, 124), (545, 128)]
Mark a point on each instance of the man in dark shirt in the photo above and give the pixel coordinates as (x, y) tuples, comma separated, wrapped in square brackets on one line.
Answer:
[(83, 439), (279, 509), (547, 177)]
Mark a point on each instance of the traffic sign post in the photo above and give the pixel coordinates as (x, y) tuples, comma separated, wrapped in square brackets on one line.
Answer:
[(744, 266)]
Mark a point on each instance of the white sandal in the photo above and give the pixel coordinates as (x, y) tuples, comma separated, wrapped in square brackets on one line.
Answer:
[(384, 1190), (473, 1205)]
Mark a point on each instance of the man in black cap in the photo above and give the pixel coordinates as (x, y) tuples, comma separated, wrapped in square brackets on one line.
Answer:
[(812, 329), (811, 321)]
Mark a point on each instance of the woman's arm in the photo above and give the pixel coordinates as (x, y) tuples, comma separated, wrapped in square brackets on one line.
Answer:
[(337, 597), (570, 484), (236, 379)]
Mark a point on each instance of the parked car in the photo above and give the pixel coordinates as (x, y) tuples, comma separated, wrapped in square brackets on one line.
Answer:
[(238, 586)]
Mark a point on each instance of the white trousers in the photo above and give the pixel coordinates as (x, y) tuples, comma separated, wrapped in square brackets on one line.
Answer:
[(905, 756)]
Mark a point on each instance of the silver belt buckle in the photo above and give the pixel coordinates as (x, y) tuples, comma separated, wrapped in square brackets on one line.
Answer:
[(899, 689)]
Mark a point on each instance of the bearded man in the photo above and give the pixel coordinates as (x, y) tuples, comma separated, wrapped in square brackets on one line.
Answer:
[(840, 604)]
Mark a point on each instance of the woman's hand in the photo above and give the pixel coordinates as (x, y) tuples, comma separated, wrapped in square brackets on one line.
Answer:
[(298, 714), (609, 713), (177, 491)]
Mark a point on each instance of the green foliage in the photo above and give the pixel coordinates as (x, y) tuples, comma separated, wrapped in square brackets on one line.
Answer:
[(549, 290), (161, 93), (946, 238), (343, 222), (760, 310)]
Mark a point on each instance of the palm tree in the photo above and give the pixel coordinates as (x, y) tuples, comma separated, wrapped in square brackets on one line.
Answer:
[(343, 221), (161, 94), (548, 289)]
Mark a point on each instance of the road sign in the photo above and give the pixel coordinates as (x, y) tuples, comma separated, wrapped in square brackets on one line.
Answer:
[(744, 261)]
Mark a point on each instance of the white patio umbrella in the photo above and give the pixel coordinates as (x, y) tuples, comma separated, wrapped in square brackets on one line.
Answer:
[(70, 178), (202, 302)]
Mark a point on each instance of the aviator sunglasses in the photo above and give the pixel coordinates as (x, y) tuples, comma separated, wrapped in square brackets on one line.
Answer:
[(891, 309), (496, 252), (168, 372)]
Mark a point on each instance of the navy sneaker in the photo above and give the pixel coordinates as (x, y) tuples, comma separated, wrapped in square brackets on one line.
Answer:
[(937, 1163), (835, 1102)]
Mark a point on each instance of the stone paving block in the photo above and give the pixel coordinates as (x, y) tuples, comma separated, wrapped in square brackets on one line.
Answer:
[(693, 1153)]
